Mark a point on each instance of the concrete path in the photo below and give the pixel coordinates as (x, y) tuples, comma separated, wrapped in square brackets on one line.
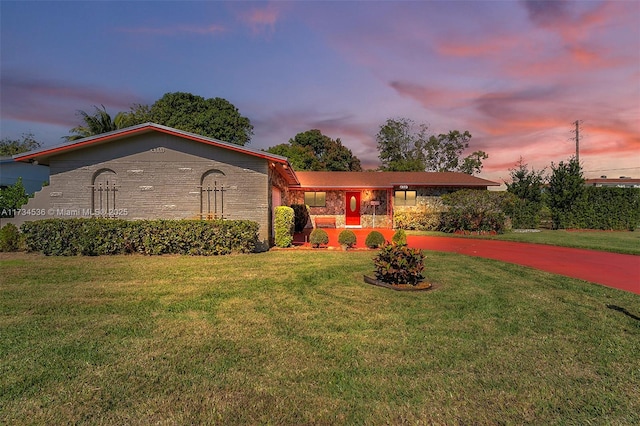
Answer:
[(621, 271)]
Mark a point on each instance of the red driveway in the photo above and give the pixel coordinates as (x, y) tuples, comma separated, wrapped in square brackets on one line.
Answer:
[(621, 271)]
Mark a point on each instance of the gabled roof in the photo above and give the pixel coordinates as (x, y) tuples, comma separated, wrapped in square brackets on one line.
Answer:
[(387, 180), (42, 155)]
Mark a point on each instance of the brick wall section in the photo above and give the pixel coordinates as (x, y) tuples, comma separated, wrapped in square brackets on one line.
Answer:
[(158, 176)]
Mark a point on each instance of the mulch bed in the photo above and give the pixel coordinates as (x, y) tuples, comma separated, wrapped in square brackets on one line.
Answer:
[(398, 287)]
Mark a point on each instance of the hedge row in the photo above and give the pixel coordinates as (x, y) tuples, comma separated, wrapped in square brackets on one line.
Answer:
[(604, 208), (92, 237)]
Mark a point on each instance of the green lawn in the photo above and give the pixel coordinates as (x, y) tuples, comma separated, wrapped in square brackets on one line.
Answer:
[(613, 241), (296, 337)]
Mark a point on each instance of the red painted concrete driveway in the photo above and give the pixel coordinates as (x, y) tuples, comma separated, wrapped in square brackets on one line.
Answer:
[(621, 271)]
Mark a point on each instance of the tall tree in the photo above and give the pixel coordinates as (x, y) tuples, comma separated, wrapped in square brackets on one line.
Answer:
[(213, 117), (527, 185), (401, 145), (9, 147), (565, 189), (97, 123), (311, 150), (405, 146)]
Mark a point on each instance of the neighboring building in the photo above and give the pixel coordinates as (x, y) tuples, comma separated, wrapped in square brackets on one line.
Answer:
[(156, 172), (33, 175), (622, 182)]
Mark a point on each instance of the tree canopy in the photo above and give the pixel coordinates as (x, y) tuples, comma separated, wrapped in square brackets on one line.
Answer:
[(405, 146), (566, 187), (9, 147), (214, 117), (311, 150), (97, 123)]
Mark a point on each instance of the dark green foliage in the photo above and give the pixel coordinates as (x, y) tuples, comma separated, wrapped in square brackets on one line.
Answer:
[(301, 216), (347, 238), (284, 225), (399, 264), (403, 146), (476, 211), (565, 189), (318, 237), (91, 237), (96, 124), (9, 238), (213, 117), (311, 150), (606, 208), (527, 186), (399, 237), (12, 197), (374, 239), (9, 147)]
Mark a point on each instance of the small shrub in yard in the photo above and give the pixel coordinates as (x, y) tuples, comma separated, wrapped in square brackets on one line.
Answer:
[(400, 237), (399, 264), (347, 238), (318, 237), (374, 240), (9, 238), (284, 225)]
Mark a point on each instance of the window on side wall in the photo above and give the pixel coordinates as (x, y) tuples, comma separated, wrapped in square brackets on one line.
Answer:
[(315, 199), (404, 198)]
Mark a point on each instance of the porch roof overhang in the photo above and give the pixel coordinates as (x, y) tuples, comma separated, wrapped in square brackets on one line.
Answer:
[(387, 180)]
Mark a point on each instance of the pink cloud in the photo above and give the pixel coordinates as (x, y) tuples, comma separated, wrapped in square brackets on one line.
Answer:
[(262, 19), (40, 100)]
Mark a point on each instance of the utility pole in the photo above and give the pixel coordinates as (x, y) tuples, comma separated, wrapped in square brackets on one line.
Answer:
[(577, 138)]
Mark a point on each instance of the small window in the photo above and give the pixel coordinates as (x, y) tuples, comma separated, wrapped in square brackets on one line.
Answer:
[(405, 198), (315, 199)]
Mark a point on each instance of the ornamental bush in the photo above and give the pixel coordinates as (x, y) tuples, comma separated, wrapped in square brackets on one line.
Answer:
[(284, 226), (399, 264), (92, 237), (347, 238), (318, 237), (374, 240), (477, 211), (9, 238), (400, 237)]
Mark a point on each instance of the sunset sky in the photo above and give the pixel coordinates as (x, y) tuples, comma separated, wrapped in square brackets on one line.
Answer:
[(516, 74)]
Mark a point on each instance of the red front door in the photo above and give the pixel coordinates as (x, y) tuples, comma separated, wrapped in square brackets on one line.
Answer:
[(352, 204)]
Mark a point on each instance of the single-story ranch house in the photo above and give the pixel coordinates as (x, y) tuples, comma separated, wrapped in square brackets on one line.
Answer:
[(151, 171)]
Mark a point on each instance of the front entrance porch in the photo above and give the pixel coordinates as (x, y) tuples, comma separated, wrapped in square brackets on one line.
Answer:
[(302, 238)]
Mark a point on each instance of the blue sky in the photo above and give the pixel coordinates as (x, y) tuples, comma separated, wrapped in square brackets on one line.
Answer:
[(516, 74)]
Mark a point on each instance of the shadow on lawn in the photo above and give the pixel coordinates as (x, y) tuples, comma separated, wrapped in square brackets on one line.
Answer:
[(624, 311)]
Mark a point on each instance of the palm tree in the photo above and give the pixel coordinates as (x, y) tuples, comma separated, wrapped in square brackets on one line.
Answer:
[(98, 123)]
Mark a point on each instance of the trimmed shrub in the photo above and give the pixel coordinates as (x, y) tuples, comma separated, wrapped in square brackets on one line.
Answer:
[(302, 216), (95, 236), (374, 240), (347, 238), (399, 264), (318, 237), (9, 238), (416, 220), (604, 208), (399, 237), (284, 225), (477, 211)]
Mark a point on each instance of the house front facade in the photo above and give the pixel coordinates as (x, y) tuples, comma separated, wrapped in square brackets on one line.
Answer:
[(157, 172), (370, 199)]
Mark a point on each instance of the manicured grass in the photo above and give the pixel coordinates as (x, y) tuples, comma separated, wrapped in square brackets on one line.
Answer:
[(613, 241), (296, 337)]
